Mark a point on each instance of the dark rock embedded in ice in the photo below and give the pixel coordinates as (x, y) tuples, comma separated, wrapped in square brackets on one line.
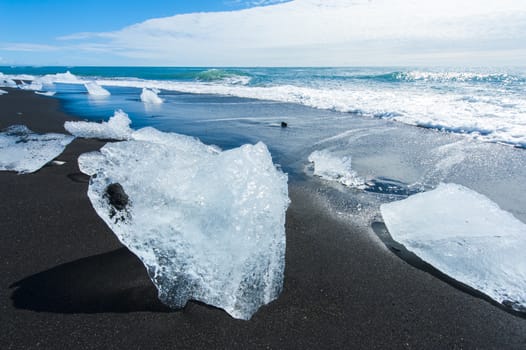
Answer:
[(116, 196)]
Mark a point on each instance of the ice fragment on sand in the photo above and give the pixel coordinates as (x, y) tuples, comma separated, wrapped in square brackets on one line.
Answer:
[(23, 151), (208, 225), (116, 128), (334, 168), (150, 96), (7, 82), (3, 92), (466, 236), (35, 85), (46, 93), (95, 89)]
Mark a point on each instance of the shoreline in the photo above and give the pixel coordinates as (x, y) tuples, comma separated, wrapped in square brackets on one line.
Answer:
[(67, 281)]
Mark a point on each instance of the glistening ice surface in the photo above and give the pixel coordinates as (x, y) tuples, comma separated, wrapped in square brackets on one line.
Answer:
[(150, 96), (208, 225), (116, 128), (23, 151), (95, 89), (466, 236), (333, 168)]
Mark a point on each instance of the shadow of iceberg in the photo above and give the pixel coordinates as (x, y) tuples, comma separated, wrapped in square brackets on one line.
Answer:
[(111, 282)]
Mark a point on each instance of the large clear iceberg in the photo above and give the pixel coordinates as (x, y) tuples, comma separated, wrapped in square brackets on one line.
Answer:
[(116, 128), (466, 236), (23, 151), (207, 224)]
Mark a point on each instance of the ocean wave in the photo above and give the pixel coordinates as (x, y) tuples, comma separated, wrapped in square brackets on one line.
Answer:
[(490, 117), (494, 114), (429, 76), (213, 75)]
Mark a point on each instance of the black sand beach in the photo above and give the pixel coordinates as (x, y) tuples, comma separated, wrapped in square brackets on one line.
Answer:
[(66, 282)]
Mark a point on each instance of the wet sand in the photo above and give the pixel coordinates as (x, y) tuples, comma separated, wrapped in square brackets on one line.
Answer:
[(66, 281)]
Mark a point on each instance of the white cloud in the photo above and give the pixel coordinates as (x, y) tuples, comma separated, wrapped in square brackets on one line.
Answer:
[(251, 3), (27, 47), (329, 32)]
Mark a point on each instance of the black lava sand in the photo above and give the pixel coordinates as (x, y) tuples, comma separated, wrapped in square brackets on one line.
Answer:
[(67, 283)]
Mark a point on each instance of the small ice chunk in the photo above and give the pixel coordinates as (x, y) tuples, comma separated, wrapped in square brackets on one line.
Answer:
[(116, 128), (150, 96), (7, 82), (466, 236), (23, 151), (208, 225), (34, 86), (333, 168), (46, 93), (65, 78), (95, 89), (3, 92)]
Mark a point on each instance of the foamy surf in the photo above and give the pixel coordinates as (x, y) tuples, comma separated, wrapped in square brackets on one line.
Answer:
[(487, 106)]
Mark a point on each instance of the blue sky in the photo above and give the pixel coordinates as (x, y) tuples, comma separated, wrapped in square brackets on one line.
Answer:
[(263, 32), (40, 21)]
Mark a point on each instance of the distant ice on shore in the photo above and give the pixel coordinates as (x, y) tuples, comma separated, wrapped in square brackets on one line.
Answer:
[(466, 236), (46, 93), (116, 128), (207, 224), (150, 96), (23, 151), (95, 89), (333, 168), (33, 86), (7, 81)]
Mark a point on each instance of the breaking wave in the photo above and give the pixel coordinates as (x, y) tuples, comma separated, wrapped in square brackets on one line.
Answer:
[(489, 106)]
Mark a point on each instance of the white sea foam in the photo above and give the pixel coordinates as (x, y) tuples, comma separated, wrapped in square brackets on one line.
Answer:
[(95, 89), (46, 93), (466, 236), (208, 225), (454, 76), (23, 151), (116, 128), (485, 116), (25, 77), (150, 96), (333, 168)]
